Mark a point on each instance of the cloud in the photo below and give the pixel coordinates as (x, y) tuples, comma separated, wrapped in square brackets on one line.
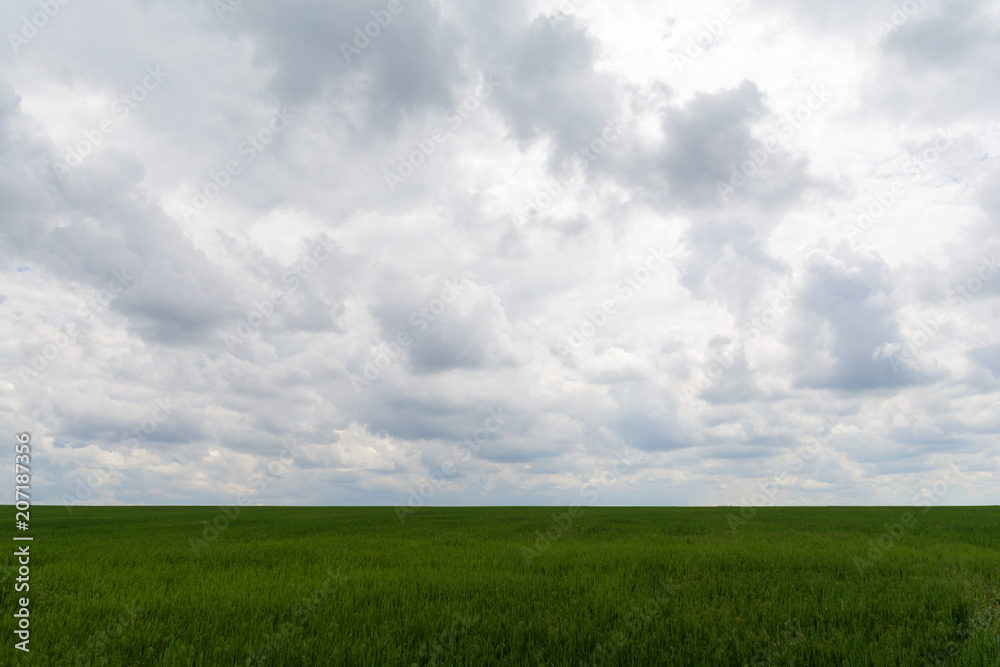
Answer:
[(617, 253)]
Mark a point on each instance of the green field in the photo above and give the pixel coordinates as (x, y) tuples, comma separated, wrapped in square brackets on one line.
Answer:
[(455, 586)]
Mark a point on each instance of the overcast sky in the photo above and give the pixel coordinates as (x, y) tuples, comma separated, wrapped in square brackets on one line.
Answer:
[(404, 252)]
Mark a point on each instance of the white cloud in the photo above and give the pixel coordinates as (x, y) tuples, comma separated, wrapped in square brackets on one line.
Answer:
[(777, 304)]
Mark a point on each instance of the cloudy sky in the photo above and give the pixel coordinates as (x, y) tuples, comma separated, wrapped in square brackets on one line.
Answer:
[(404, 252)]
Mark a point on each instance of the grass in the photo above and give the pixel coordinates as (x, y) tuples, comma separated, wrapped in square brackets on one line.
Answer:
[(453, 586)]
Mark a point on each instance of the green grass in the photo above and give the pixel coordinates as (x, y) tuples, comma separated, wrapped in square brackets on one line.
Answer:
[(652, 586)]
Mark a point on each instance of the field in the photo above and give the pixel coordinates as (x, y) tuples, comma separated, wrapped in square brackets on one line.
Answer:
[(479, 586)]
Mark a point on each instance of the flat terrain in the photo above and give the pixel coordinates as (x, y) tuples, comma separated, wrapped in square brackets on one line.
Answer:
[(476, 586)]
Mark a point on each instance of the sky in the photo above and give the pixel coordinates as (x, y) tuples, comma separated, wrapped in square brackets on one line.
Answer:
[(408, 252)]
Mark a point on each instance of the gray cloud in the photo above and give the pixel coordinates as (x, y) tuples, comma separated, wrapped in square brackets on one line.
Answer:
[(256, 315)]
